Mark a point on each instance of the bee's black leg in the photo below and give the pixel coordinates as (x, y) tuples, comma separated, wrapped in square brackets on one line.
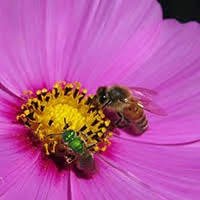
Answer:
[(121, 119)]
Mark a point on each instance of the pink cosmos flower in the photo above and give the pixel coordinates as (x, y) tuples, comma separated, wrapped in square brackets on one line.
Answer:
[(101, 43)]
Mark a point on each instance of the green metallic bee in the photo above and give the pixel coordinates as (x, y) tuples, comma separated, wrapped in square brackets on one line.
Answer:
[(74, 150), (76, 144)]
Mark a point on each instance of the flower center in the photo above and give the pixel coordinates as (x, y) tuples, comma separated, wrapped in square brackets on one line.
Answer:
[(65, 122)]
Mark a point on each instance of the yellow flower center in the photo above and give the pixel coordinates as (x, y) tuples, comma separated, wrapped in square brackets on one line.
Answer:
[(49, 114)]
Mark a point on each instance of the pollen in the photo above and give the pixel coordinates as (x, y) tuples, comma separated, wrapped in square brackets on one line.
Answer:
[(49, 113)]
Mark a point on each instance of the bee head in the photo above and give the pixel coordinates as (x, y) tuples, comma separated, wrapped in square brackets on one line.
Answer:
[(102, 95), (108, 96), (68, 135)]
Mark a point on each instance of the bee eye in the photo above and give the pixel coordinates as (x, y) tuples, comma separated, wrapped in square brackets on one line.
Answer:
[(103, 99), (102, 95)]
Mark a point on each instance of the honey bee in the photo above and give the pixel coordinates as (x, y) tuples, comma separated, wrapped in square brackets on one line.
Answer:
[(129, 104)]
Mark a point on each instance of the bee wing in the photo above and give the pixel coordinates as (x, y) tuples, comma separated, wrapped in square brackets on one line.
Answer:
[(86, 163), (152, 107), (143, 93), (145, 97)]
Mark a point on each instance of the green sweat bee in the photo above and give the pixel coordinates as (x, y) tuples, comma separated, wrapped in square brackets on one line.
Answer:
[(74, 150)]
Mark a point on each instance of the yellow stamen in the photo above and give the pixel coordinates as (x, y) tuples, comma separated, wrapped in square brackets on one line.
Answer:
[(66, 107)]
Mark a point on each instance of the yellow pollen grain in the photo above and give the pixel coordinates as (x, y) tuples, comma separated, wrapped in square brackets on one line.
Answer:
[(107, 123), (96, 148), (104, 148)]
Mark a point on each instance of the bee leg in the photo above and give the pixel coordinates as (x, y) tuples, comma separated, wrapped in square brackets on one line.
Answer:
[(70, 158), (120, 122), (121, 118)]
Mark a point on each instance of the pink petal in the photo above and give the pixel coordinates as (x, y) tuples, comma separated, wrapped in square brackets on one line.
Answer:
[(168, 171), (110, 183), (22, 45), (112, 39), (175, 56), (9, 106), (24, 173), (46, 41)]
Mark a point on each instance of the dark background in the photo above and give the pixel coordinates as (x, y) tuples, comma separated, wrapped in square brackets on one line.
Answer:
[(183, 10)]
